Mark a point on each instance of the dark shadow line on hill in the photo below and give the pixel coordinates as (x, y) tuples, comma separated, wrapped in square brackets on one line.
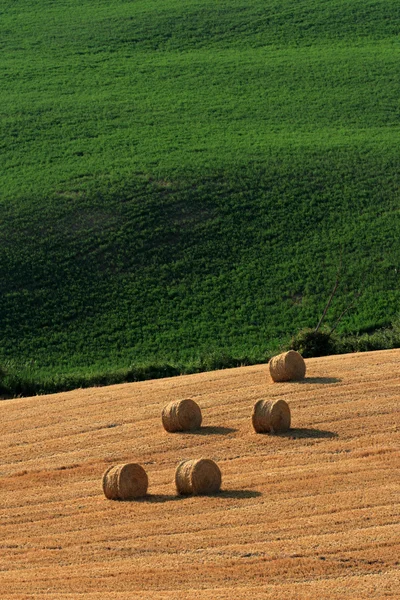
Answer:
[(212, 430), (306, 432), (323, 380)]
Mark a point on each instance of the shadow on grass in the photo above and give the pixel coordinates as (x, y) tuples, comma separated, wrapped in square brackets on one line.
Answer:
[(323, 380), (210, 430), (305, 432)]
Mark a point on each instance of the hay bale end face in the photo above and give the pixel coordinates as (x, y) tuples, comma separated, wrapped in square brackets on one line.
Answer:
[(271, 416), (288, 366), (181, 415), (125, 482), (198, 477)]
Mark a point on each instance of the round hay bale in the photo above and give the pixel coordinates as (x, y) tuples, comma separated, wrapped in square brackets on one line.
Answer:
[(125, 482), (271, 416), (287, 366), (198, 477), (181, 415)]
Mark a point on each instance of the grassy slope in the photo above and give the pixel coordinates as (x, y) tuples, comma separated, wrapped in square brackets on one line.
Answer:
[(179, 177)]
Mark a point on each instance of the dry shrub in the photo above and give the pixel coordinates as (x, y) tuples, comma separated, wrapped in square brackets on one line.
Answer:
[(181, 415), (287, 366), (125, 482), (271, 416), (198, 477)]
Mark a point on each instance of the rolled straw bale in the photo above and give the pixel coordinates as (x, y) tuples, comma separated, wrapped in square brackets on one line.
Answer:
[(271, 416), (181, 415), (287, 366), (198, 477), (125, 482)]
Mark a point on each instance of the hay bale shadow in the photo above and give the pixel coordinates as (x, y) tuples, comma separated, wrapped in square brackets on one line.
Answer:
[(159, 498), (322, 380), (212, 430), (306, 432), (239, 494)]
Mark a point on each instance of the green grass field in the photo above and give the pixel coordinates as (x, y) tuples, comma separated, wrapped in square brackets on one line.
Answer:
[(180, 178)]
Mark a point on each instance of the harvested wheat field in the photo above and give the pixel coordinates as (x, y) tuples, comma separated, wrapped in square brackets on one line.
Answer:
[(308, 514)]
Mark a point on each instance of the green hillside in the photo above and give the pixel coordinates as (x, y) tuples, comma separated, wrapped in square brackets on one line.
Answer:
[(180, 178)]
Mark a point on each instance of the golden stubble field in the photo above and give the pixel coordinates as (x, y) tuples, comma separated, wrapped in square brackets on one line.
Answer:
[(311, 514)]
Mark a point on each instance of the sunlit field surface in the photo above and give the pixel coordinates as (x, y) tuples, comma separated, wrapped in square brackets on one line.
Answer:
[(313, 513)]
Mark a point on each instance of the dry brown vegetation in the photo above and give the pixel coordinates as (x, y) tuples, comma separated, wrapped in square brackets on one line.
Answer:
[(309, 514)]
